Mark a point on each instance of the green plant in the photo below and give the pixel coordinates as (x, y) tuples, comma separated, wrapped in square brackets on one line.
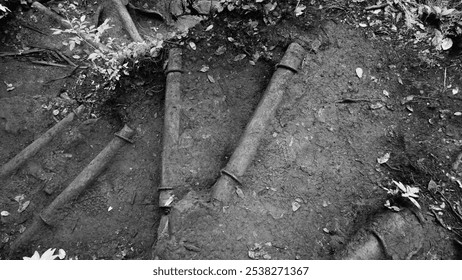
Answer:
[(114, 60), (47, 255), (447, 21), (81, 26), (399, 190), (4, 11)]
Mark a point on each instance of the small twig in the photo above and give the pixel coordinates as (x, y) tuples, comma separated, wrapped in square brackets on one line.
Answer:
[(66, 76), (376, 7), (392, 168), (25, 52), (171, 42), (457, 162), (452, 208), (50, 64), (439, 219), (23, 24), (66, 58), (353, 100), (425, 97), (444, 81)]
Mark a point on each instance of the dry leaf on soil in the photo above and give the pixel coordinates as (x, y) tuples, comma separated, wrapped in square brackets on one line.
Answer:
[(192, 45), (383, 159), (239, 192), (295, 206), (211, 79), (239, 57), (204, 68), (221, 50), (359, 72)]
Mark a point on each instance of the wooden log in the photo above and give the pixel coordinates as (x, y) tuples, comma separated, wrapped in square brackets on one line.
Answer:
[(248, 144), (75, 188), (171, 126), (7, 169)]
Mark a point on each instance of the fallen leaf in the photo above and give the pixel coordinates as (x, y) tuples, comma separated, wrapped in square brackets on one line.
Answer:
[(299, 10), (19, 198), (240, 193), (389, 206), (5, 213), (22, 229), (359, 72), (209, 27), (432, 186), (193, 46), (377, 105), (23, 206), (409, 108), (295, 206), (399, 80), (457, 114), (386, 93), (211, 79), (362, 25), (414, 202), (9, 87), (239, 57), (204, 68), (407, 99), (61, 254), (251, 254), (383, 159), (455, 91), (221, 50), (110, 208), (325, 230), (446, 44)]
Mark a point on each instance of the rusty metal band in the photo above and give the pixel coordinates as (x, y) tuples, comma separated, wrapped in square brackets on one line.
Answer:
[(288, 67), (124, 138), (229, 174), (174, 70)]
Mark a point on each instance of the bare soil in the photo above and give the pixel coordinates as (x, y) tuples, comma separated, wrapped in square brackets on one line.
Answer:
[(320, 151)]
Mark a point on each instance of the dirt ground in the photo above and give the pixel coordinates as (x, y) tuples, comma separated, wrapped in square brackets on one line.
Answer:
[(319, 152)]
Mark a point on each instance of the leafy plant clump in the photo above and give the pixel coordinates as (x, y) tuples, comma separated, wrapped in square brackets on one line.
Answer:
[(399, 191), (272, 10), (112, 60), (47, 255), (4, 11), (445, 20)]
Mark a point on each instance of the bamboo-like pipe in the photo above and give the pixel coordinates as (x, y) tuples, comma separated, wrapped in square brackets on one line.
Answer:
[(389, 235), (28, 152), (75, 188), (171, 126), (248, 144)]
